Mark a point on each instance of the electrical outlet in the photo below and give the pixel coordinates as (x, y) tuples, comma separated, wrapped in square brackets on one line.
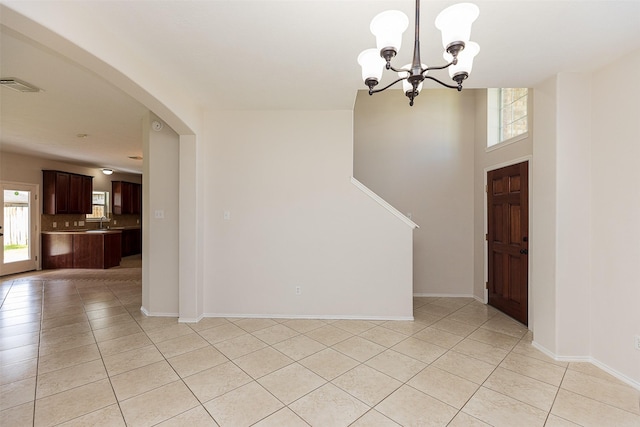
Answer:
[(66, 223), (81, 223), (75, 223), (637, 342), (115, 222), (54, 225), (298, 290)]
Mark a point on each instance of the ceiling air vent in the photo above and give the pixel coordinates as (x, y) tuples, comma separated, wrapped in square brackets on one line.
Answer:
[(18, 85)]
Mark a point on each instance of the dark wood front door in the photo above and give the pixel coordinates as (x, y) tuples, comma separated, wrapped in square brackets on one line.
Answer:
[(508, 226)]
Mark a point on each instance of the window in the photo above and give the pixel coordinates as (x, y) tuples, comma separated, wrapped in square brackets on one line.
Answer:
[(507, 114), (100, 203)]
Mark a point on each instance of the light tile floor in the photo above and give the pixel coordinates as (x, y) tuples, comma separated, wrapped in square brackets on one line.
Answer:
[(76, 351)]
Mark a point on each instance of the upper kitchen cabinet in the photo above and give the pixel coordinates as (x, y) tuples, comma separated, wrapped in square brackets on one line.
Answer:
[(126, 197), (66, 193)]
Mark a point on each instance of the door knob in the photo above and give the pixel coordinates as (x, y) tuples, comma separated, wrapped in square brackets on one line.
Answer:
[(524, 251)]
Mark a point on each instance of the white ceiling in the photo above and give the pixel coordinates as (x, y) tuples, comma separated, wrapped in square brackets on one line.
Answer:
[(267, 54)]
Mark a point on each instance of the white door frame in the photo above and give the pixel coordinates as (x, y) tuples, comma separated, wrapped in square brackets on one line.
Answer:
[(34, 229)]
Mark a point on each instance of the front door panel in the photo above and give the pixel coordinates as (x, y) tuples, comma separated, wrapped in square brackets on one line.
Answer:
[(508, 224)]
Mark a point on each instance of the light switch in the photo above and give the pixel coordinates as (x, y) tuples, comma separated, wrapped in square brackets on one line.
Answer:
[(159, 214), (227, 215)]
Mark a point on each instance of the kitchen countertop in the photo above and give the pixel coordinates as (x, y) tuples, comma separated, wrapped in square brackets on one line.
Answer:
[(93, 231), (105, 231)]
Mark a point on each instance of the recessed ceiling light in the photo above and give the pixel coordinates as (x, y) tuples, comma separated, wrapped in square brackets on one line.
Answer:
[(135, 157), (18, 85), (82, 135)]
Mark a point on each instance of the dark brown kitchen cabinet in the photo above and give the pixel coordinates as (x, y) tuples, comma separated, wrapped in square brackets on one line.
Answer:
[(57, 250), (126, 197), (66, 193), (131, 241), (87, 195), (81, 249), (75, 188), (96, 250), (136, 198)]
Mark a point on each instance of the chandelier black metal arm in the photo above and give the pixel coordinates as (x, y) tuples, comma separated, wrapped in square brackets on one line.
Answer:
[(372, 83), (422, 70)]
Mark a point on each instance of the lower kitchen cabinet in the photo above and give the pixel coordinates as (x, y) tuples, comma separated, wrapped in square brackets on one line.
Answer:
[(81, 249), (131, 241), (57, 250)]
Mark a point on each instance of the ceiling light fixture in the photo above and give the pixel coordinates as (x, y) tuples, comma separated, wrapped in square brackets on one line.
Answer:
[(455, 24), (18, 85), (107, 171), (135, 157)]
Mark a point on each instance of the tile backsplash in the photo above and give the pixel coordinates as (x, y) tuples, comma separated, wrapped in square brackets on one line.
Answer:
[(79, 222)]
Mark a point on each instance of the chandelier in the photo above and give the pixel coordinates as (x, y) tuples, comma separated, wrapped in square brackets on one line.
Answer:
[(455, 24)]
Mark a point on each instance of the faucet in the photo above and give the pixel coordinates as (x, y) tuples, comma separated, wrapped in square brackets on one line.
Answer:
[(104, 218)]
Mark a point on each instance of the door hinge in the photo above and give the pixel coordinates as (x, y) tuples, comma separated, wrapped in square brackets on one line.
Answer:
[(486, 285), (36, 257), (36, 196), (486, 188), (486, 237)]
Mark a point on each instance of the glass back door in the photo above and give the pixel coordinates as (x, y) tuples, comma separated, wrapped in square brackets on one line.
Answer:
[(18, 228)]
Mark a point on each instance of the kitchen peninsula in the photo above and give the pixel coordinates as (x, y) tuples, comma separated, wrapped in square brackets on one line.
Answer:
[(81, 249)]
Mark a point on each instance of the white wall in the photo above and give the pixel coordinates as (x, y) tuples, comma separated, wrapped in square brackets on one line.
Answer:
[(573, 213), (585, 224), (542, 242), (296, 220), (160, 266), (615, 216), (421, 159)]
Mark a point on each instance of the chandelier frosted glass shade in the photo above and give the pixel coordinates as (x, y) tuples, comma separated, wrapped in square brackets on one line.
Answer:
[(372, 64), (455, 23), (465, 60), (388, 28)]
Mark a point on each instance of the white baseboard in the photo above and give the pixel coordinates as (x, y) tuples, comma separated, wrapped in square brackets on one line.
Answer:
[(618, 375), (477, 298), (622, 377), (310, 316), (190, 319), (417, 294), (156, 314)]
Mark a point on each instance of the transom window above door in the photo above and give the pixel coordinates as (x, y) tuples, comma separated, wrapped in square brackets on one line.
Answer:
[(507, 115)]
